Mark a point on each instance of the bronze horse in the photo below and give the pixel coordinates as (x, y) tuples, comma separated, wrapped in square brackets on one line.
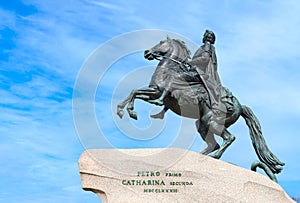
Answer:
[(188, 98)]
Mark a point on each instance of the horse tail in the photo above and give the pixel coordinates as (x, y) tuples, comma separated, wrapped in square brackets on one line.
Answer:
[(259, 143), (264, 167)]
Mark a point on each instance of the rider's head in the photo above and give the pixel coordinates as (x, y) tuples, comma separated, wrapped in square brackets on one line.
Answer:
[(209, 36)]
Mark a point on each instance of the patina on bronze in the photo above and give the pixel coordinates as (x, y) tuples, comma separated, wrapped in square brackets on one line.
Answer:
[(193, 89)]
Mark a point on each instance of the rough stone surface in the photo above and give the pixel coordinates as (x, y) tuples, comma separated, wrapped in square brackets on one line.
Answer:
[(116, 176)]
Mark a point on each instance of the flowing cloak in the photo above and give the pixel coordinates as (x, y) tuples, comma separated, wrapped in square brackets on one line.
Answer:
[(205, 63), (200, 83)]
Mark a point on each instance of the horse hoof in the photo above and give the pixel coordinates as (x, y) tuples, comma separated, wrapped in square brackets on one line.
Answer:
[(120, 113), (157, 116), (133, 115), (216, 156), (205, 152), (211, 149)]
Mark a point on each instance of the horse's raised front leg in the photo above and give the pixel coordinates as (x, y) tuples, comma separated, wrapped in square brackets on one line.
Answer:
[(228, 138), (144, 94), (130, 106), (122, 105)]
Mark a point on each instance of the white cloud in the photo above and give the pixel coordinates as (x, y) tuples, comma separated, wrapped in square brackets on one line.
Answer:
[(105, 5)]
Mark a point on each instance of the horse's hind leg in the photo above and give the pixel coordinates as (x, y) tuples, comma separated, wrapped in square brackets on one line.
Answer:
[(228, 138), (208, 137)]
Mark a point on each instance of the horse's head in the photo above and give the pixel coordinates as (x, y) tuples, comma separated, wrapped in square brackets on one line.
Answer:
[(168, 48), (161, 49)]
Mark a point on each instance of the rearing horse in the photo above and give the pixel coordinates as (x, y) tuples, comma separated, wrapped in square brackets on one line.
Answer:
[(189, 98)]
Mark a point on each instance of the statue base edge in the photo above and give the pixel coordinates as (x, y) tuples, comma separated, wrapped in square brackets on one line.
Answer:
[(206, 179)]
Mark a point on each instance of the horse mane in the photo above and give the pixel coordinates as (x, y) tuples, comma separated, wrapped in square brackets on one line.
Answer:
[(182, 44)]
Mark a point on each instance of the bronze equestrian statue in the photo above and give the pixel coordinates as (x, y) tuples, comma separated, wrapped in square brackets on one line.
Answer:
[(193, 89)]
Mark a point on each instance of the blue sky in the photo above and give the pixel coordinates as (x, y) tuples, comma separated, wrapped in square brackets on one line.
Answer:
[(46, 43)]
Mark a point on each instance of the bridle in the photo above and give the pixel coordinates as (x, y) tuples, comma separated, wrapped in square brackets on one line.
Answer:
[(180, 62)]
